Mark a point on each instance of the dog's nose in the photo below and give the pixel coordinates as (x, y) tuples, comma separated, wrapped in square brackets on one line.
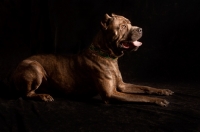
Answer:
[(139, 30)]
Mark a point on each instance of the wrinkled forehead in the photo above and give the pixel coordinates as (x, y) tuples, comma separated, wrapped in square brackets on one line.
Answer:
[(121, 19)]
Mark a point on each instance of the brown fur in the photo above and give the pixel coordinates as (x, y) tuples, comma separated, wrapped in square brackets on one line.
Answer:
[(95, 71)]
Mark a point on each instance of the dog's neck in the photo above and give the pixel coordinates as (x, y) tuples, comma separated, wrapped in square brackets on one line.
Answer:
[(101, 45), (101, 52)]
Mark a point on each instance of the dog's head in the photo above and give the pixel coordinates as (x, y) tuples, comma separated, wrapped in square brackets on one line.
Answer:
[(120, 34)]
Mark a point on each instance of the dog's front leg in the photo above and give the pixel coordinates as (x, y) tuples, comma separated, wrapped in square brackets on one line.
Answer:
[(138, 98), (108, 92), (132, 88)]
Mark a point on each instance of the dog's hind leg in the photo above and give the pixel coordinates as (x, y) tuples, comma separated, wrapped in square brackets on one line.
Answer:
[(32, 95), (35, 82), (28, 77)]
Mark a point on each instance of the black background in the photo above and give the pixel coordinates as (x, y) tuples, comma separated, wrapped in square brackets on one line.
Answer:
[(169, 54), (170, 48)]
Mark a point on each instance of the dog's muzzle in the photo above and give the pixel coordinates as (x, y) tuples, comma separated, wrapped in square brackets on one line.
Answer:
[(131, 41)]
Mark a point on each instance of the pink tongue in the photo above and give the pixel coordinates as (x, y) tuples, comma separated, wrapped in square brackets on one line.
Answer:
[(137, 43)]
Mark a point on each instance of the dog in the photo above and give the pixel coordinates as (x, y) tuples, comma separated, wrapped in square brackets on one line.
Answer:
[(93, 71)]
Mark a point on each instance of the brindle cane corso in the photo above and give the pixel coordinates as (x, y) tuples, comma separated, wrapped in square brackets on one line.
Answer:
[(94, 71)]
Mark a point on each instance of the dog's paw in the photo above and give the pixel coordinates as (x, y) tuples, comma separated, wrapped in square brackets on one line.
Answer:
[(47, 98), (162, 102), (166, 92)]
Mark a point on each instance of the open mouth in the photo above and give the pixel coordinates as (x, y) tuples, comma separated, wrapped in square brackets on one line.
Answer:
[(130, 44)]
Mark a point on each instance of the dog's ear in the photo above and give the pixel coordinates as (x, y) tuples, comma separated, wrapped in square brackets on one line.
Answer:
[(113, 15), (105, 21)]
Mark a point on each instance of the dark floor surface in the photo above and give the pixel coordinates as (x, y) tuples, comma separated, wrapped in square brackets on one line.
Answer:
[(182, 115)]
